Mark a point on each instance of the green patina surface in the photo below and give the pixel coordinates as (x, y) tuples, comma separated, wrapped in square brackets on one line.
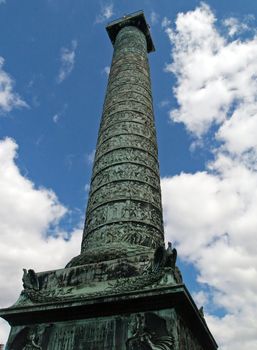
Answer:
[(111, 296)]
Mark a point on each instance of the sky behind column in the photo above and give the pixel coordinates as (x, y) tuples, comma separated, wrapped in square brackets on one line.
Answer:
[(55, 58)]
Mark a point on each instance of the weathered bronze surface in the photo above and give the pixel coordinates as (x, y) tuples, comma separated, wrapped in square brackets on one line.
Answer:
[(125, 198), (124, 291)]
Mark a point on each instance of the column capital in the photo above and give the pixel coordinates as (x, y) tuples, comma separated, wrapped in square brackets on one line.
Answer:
[(136, 19)]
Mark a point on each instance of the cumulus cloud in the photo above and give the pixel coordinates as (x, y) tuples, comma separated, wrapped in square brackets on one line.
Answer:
[(8, 98), (68, 56), (27, 214), (211, 214), (106, 13), (234, 26)]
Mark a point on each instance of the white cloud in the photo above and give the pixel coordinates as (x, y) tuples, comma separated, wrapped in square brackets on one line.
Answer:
[(164, 103), (26, 214), (8, 98), (60, 114), (227, 75), (165, 22), (106, 13), (154, 18), (56, 118), (90, 157), (211, 214), (106, 70), (67, 61), (235, 26)]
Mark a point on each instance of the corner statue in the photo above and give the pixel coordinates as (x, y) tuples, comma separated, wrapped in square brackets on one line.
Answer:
[(124, 290)]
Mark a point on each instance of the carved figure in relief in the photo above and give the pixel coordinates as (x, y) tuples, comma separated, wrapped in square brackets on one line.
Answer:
[(149, 332), (30, 280), (171, 256), (33, 340)]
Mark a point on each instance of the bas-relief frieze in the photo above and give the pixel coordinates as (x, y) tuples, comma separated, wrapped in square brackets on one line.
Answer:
[(129, 232), (127, 171), (126, 155), (124, 211), (129, 128), (131, 32), (128, 76), (127, 95), (126, 141), (131, 67), (126, 88), (130, 58), (151, 330), (124, 190), (130, 104), (129, 107), (122, 80), (126, 116), (135, 44), (129, 273), (137, 61), (129, 38)]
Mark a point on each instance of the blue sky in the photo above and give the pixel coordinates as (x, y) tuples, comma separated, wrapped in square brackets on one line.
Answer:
[(54, 60)]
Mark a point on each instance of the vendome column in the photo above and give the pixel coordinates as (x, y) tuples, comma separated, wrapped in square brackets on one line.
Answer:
[(124, 290)]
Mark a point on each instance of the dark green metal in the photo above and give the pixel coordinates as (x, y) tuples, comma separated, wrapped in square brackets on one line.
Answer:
[(124, 291), (126, 146)]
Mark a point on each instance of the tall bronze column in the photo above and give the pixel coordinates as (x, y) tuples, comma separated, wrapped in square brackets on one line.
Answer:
[(124, 290), (125, 198)]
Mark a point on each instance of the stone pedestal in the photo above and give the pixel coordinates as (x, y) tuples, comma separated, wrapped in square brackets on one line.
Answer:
[(163, 317)]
